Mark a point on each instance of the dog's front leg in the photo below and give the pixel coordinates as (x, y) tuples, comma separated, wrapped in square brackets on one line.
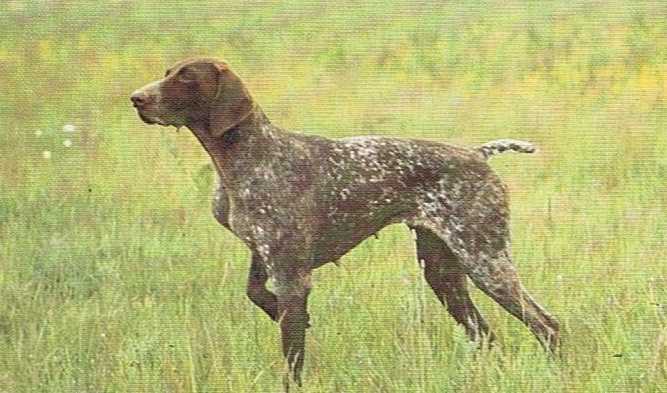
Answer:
[(292, 294), (256, 289)]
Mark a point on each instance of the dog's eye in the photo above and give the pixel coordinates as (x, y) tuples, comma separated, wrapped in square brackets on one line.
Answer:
[(185, 75)]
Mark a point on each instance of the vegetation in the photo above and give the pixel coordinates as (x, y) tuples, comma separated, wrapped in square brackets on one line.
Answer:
[(114, 277)]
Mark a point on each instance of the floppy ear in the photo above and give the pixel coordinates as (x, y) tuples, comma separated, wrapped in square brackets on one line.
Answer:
[(232, 102)]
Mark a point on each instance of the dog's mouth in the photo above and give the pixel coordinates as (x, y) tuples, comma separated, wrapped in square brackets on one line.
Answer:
[(150, 119)]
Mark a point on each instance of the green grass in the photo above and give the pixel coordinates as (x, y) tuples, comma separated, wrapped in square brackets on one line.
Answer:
[(114, 277)]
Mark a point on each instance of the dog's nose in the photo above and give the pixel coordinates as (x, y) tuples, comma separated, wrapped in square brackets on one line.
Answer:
[(139, 98)]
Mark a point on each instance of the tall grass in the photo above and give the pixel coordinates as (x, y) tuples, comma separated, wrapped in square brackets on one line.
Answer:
[(115, 278)]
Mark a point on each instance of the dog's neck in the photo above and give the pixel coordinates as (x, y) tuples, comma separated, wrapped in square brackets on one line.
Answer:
[(241, 147)]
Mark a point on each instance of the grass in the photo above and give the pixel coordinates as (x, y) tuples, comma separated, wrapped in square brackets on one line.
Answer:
[(114, 277)]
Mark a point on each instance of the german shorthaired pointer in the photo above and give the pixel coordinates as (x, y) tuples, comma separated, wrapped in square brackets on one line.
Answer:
[(301, 201)]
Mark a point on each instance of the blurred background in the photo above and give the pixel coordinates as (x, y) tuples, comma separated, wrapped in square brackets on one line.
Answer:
[(115, 277)]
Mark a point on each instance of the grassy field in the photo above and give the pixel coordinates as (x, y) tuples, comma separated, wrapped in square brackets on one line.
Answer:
[(114, 277)]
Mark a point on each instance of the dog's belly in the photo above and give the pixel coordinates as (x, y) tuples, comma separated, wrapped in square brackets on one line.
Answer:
[(346, 229)]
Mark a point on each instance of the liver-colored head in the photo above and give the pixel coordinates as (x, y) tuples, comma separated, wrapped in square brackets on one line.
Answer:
[(199, 90)]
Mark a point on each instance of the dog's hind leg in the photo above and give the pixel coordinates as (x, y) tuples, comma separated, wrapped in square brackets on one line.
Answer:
[(478, 234), (449, 282), (496, 276)]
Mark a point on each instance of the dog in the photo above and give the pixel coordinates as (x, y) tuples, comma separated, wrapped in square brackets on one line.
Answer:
[(300, 201)]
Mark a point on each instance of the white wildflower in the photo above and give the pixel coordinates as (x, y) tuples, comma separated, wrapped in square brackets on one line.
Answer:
[(69, 128), (67, 143), (46, 154)]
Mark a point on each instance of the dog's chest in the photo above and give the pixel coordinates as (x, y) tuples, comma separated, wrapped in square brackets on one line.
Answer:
[(269, 206)]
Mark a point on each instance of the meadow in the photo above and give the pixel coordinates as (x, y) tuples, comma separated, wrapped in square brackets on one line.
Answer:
[(114, 276)]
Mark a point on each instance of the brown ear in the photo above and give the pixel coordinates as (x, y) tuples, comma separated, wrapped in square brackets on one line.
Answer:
[(231, 104)]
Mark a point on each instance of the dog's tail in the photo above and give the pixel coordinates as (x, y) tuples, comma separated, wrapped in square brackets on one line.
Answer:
[(492, 148)]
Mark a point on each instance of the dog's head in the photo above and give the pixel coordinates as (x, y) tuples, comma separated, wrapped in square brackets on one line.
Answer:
[(195, 90)]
